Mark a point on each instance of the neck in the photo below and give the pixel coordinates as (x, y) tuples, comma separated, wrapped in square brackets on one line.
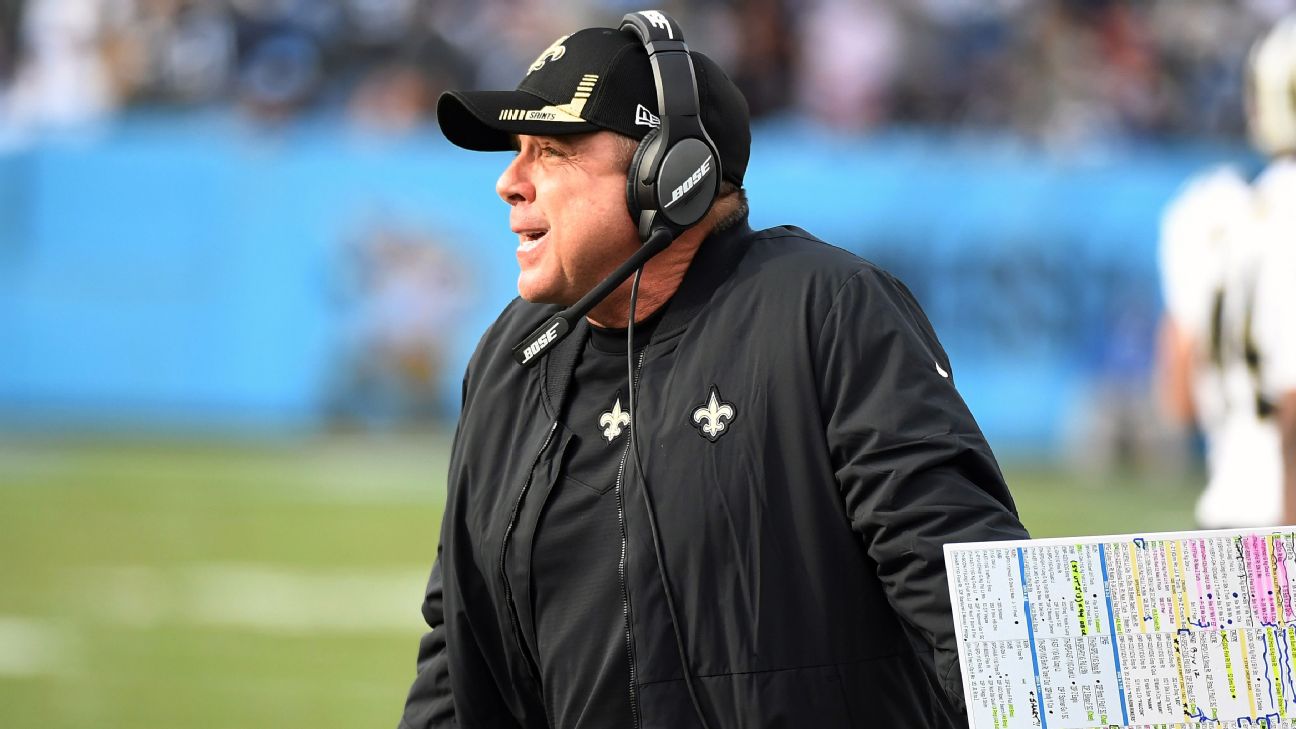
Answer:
[(662, 276)]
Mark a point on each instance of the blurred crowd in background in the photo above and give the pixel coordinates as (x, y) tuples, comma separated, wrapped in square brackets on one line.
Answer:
[(1056, 71)]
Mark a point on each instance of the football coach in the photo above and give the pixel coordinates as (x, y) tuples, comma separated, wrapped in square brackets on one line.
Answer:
[(703, 473)]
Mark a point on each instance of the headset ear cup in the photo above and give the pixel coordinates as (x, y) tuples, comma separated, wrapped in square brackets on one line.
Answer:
[(638, 197)]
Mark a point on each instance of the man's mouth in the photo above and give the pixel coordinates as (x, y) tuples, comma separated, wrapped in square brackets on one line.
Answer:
[(530, 239)]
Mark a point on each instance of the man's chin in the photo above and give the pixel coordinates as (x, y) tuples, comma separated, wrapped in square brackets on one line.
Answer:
[(534, 299), (542, 295)]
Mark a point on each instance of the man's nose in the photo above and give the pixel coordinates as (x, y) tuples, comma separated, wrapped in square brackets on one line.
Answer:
[(513, 185)]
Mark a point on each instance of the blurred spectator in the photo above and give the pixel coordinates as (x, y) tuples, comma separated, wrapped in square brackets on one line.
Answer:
[(392, 99), (9, 20), (60, 78), (845, 83), (761, 50)]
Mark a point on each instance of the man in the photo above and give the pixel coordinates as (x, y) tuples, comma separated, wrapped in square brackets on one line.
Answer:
[(1228, 264), (755, 539)]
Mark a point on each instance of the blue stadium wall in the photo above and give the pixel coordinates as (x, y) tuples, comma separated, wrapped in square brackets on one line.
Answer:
[(180, 276)]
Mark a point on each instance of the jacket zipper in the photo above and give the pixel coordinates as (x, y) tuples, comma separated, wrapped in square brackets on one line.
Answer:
[(621, 567), (508, 532)]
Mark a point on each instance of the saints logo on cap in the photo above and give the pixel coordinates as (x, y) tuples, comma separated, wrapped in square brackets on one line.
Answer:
[(552, 53)]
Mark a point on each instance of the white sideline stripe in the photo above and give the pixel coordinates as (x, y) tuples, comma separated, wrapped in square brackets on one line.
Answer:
[(32, 647), (287, 601), (330, 489), (266, 598)]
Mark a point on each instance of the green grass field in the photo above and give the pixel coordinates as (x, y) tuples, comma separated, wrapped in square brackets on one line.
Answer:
[(236, 586)]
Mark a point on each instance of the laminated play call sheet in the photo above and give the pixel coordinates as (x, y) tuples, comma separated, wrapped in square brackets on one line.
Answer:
[(1155, 630)]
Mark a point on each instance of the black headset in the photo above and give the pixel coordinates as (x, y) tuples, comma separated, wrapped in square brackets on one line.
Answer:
[(675, 174)]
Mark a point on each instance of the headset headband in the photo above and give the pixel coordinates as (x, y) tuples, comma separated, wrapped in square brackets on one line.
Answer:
[(677, 94)]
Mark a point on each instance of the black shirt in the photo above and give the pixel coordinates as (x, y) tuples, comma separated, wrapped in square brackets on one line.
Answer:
[(580, 619)]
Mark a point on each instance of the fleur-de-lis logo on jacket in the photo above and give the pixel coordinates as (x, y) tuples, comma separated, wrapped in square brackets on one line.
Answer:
[(613, 421), (712, 419)]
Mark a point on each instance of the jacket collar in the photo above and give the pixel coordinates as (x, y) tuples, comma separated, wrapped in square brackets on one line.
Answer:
[(713, 263), (559, 365)]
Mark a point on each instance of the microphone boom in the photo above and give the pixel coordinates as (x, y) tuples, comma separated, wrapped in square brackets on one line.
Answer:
[(529, 351)]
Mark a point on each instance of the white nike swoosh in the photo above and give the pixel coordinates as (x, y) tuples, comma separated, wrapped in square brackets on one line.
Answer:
[(941, 371)]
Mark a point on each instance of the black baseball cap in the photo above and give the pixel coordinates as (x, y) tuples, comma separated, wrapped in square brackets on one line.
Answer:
[(596, 78)]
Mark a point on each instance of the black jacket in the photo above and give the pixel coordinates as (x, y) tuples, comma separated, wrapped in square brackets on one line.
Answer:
[(802, 542)]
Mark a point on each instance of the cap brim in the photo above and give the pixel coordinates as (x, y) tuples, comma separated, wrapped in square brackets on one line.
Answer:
[(486, 120)]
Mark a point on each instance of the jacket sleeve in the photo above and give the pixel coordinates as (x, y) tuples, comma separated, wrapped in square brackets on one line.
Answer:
[(430, 704), (913, 468)]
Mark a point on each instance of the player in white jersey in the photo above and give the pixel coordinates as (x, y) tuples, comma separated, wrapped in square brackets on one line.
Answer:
[(1228, 262), (1272, 115), (1206, 266)]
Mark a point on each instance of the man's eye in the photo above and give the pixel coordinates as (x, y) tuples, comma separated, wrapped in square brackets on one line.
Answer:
[(551, 151)]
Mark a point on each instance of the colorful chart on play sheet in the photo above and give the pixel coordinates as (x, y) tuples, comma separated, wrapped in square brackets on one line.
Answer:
[(1157, 630)]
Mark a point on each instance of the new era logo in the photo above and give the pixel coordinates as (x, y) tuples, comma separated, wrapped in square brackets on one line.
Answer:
[(645, 118)]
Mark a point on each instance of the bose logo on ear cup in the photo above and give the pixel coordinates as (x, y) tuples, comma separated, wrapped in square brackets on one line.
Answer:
[(678, 193)]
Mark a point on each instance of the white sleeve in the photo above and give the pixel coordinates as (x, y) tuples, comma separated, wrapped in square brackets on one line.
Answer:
[(1274, 315), (1195, 230)]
